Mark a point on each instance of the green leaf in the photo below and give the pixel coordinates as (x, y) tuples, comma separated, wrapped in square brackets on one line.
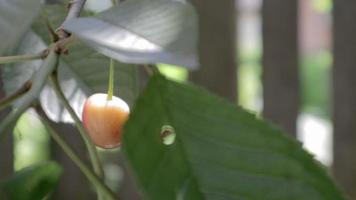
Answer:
[(15, 18), (143, 31), (15, 75), (33, 182), (220, 151)]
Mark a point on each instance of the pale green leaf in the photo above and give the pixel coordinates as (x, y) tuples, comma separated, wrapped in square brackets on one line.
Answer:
[(143, 31), (15, 18)]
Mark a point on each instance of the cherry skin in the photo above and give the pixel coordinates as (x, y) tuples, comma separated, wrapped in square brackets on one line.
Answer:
[(103, 119)]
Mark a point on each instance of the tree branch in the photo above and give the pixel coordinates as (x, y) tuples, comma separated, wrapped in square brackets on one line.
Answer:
[(51, 32), (90, 146), (21, 58), (75, 7), (9, 99), (39, 80), (93, 154)]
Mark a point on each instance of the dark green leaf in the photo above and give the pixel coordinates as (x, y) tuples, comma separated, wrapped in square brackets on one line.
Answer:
[(143, 31), (220, 151), (32, 183)]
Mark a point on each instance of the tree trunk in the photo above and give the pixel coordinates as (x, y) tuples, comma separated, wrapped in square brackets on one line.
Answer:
[(217, 47), (280, 63), (344, 95), (6, 144)]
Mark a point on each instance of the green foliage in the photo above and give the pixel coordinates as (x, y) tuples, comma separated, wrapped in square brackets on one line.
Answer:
[(316, 83), (220, 151), (174, 72), (323, 6), (31, 141), (32, 183), (249, 79)]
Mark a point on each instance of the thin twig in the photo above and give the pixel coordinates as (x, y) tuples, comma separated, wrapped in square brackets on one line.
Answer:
[(70, 153), (90, 146), (75, 7), (60, 47), (5, 102), (21, 58), (93, 154), (38, 82), (51, 32)]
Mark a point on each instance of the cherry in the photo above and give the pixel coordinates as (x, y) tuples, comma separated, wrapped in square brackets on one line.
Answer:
[(103, 119)]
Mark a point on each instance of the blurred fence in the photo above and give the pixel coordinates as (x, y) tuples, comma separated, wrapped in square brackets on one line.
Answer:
[(281, 71)]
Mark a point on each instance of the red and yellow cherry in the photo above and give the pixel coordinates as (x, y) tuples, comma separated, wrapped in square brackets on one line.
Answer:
[(103, 119)]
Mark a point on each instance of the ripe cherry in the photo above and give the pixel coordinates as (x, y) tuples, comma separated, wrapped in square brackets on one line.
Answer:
[(103, 119)]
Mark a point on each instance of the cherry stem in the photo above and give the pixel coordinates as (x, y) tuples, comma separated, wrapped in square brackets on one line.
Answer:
[(70, 153), (111, 80)]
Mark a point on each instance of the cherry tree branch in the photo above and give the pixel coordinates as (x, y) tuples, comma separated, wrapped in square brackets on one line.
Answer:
[(75, 7), (9, 99), (21, 58)]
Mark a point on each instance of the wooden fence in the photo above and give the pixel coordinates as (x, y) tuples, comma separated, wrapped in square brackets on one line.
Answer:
[(281, 71)]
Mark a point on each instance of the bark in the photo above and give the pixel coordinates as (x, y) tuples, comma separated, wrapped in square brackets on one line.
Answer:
[(281, 95), (344, 95), (217, 47)]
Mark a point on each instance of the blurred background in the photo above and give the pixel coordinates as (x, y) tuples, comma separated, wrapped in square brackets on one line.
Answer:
[(289, 61)]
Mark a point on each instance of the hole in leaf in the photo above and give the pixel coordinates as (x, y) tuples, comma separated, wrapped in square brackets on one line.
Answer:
[(168, 135)]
